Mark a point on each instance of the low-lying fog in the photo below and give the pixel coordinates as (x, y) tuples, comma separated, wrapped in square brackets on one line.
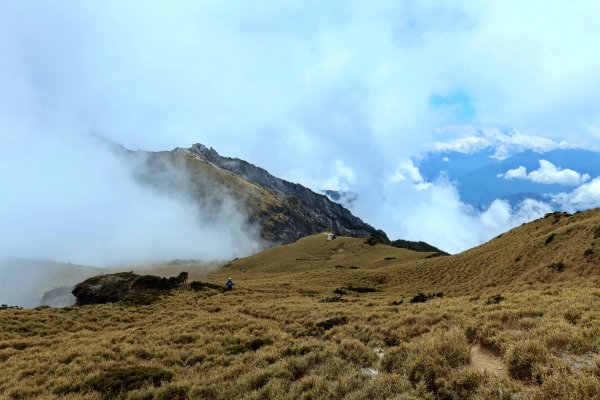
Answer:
[(73, 199)]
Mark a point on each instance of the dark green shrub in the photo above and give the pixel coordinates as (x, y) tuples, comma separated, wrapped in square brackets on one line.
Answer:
[(198, 286), (329, 323), (250, 345), (156, 282), (549, 238), (376, 238), (557, 266), (419, 298), (361, 289)]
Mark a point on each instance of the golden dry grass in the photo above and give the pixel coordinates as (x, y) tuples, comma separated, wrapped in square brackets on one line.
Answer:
[(283, 333)]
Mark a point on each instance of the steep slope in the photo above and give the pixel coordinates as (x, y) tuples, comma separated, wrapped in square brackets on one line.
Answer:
[(284, 211)]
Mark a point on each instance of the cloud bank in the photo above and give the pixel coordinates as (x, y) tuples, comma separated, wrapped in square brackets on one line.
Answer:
[(584, 197), (548, 173), (338, 94), (75, 200)]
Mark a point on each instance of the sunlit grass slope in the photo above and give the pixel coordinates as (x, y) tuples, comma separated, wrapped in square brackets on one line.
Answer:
[(322, 319), (560, 250)]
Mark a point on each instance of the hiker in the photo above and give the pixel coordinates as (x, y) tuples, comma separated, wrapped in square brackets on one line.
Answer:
[(229, 284)]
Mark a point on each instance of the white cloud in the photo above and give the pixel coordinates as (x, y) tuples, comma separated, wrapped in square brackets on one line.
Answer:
[(466, 145), (436, 214), (503, 144), (341, 179), (584, 197), (408, 170), (517, 173), (74, 200), (548, 173), (292, 85)]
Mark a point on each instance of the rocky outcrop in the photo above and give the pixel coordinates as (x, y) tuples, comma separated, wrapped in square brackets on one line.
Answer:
[(125, 287), (297, 211)]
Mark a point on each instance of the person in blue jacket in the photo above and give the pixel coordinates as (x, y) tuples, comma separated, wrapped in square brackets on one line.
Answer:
[(229, 284)]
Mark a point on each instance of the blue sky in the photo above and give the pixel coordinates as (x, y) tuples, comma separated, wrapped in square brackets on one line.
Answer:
[(346, 95)]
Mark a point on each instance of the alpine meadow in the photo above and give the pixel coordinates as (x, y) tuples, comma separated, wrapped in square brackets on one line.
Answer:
[(313, 200)]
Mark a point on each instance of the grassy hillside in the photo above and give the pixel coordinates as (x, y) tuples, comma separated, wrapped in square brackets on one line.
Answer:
[(321, 319), (553, 252), (282, 211)]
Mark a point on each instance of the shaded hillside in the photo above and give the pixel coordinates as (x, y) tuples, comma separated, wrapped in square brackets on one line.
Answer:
[(283, 210)]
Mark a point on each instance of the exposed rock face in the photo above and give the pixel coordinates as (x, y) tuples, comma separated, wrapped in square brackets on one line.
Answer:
[(125, 287), (296, 210)]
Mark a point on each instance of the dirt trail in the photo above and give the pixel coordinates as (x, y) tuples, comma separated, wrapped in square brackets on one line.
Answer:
[(485, 361)]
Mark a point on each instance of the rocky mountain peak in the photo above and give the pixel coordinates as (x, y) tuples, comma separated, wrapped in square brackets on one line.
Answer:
[(297, 211)]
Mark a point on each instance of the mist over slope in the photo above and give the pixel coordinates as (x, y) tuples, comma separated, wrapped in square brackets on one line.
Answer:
[(76, 200), (24, 281), (286, 211)]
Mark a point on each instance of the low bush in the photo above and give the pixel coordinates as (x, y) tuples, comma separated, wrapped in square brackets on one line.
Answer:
[(249, 345), (459, 384), (334, 299), (356, 352), (329, 323), (361, 289), (419, 298), (557, 266), (524, 360), (577, 386), (429, 359), (422, 297), (374, 239), (198, 286)]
